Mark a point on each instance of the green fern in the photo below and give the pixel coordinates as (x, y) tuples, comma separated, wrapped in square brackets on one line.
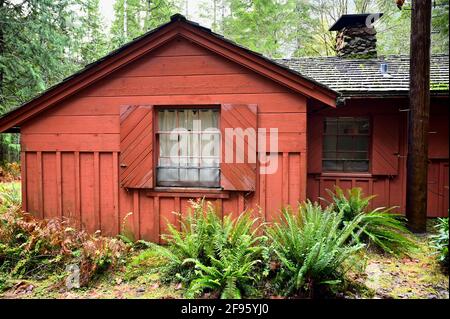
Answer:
[(312, 248), (210, 254), (379, 227)]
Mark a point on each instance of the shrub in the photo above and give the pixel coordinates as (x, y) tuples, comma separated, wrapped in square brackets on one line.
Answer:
[(32, 248), (208, 254), (312, 247), (440, 241), (10, 196), (9, 172), (380, 227)]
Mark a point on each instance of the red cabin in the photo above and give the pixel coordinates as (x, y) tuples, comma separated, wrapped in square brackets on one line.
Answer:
[(102, 143)]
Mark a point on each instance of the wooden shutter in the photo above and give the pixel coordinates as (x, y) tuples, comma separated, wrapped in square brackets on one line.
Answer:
[(315, 141), (238, 176), (385, 144), (136, 146)]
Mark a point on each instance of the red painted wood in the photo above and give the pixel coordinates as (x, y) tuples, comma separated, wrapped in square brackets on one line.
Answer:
[(49, 185), (40, 191), (438, 137), (178, 85), (82, 105), (68, 186), (238, 176), (89, 213), (63, 131), (71, 142), (23, 174), (136, 159), (285, 123), (59, 196), (205, 64), (315, 131), (85, 124), (32, 188), (107, 194), (385, 144), (285, 181)]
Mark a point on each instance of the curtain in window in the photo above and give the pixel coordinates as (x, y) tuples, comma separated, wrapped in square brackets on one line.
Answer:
[(189, 147)]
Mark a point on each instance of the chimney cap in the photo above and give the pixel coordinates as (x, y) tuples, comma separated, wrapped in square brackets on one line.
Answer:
[(354, 20)]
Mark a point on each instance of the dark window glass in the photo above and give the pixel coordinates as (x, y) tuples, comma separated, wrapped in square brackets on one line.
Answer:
[(346, 144)]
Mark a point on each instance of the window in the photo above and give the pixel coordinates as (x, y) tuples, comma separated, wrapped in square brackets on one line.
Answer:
[(346, 144), (189, 147)]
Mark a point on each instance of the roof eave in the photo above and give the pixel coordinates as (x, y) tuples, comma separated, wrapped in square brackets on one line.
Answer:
[(153, 39)]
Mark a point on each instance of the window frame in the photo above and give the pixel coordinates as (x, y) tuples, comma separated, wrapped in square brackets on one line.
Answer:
[(156, 143), (369, 144)]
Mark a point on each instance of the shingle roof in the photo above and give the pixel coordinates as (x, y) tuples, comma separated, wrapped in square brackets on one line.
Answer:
[(363, 76)]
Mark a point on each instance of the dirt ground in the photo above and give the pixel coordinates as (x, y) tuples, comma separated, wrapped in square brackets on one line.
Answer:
[(384, 277), (418, 277)]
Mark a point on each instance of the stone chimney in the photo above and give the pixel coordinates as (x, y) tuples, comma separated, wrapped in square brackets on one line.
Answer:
[(356, 36)]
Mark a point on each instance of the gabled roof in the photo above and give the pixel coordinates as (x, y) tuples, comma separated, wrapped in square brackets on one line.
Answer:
[(178, 26), (363, 77)]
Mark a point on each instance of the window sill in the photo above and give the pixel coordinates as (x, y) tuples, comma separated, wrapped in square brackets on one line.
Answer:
[(346, 174), (188, 192)]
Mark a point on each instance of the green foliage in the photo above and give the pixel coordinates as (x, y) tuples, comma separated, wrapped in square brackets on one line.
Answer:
[(439, 23), (379, 227), (32, 248), (10, 196), (132, 18), (44, 41), (225, 257), (353, 204), (440, 241), (313, 248)]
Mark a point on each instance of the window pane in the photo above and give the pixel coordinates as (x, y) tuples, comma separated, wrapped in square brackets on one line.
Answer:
[(330, 126), (345, 155), (332, 165), (345, 143), (361, 143), (330, 155), (357, 166), (329, 143), (189, 145), (167, 120), (346, 127), (189, 174), (208, 119), (210, 145), (167, 174), (168, 145), (363, 126), (360, 155), (181, 159), (209, 175)]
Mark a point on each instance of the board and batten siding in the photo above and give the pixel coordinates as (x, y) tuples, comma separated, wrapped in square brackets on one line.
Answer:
[(387, 176), (71, 154)]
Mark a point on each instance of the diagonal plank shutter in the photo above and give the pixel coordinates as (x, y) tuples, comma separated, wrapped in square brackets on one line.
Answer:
[(238, 176), (136, 146), (315, 140), (385, 144)]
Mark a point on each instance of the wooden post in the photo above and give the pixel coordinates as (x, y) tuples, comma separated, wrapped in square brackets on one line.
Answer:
[(419, 99)]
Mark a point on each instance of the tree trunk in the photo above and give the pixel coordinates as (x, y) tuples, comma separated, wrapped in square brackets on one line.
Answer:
[(2, 45), (419, 96)]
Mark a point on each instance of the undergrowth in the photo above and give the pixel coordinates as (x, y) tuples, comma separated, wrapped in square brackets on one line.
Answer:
[(36, 249)]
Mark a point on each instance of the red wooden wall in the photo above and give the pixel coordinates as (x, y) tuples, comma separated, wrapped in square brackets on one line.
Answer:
[(390, 187), (70, 154)]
